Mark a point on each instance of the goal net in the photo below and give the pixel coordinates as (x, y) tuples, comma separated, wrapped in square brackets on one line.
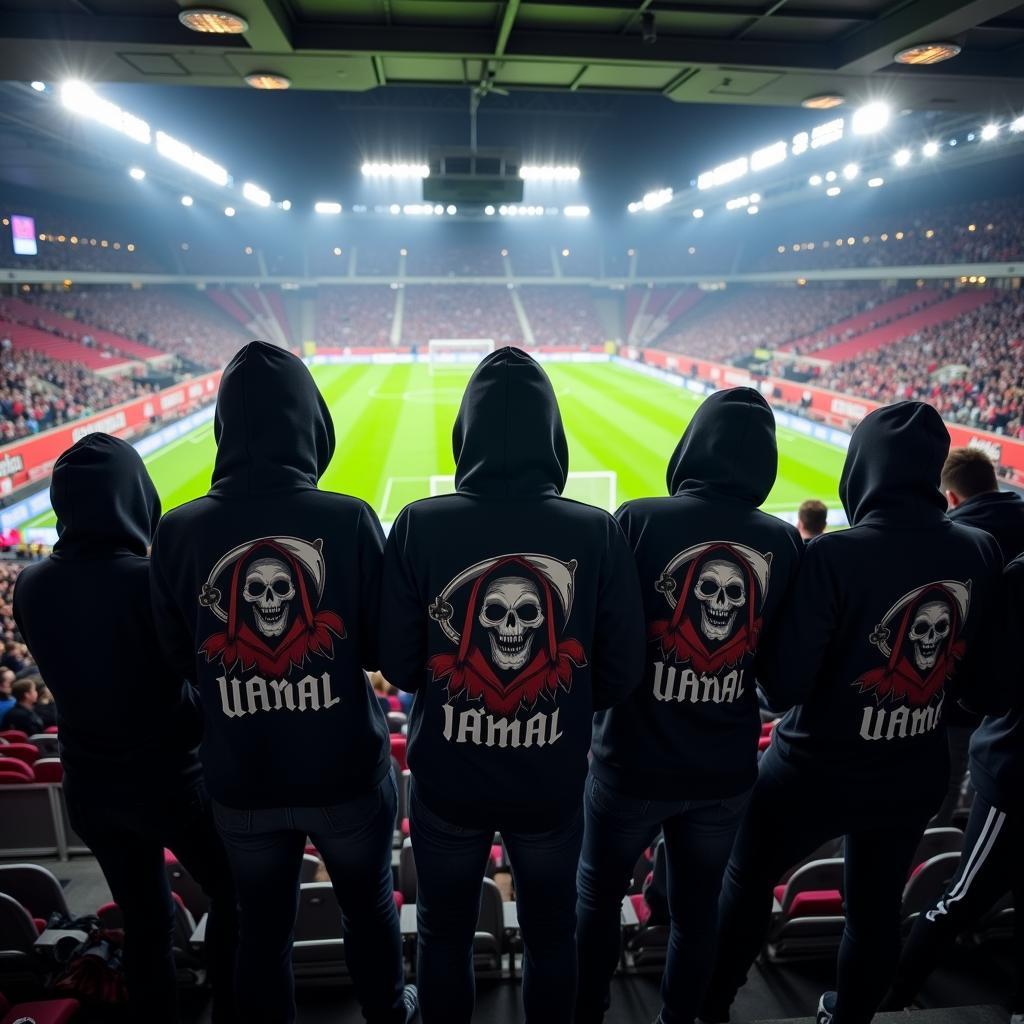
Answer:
[(443, 353), (598, 487)]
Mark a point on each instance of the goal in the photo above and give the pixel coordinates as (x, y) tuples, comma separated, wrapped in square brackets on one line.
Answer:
[(597, 487), (443, 353)]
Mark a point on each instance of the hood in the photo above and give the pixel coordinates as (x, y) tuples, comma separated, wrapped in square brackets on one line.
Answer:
[(999, 508), (274, 431), (894, 464), (728, 448), (103, 498), (508, 438)]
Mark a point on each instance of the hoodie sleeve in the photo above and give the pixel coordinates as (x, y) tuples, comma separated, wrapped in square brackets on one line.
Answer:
[(402, 635), (370, 544), (618, 652), (809, 619), (765, 667), (983, 683), (176, 640)]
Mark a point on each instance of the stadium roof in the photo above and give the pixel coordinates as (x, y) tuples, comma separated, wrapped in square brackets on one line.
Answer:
[(767, 52)]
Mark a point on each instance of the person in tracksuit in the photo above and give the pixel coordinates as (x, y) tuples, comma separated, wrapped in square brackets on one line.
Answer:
[(882, 615), (992, 863), (512, 614), (265, 593), (681, 754)]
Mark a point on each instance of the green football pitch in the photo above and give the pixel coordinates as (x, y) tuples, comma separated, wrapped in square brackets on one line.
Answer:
[(394, 429)]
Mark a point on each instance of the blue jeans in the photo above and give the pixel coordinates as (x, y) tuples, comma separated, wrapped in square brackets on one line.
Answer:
[(450, 865), (698, 839), (265, 848)]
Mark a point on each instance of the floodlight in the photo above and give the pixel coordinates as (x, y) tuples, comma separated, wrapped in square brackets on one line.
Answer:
[(989, 132), (577, 211), (876, 182), (698, 213), (39, 86), (815, 180), (901, 157), (255, 194), (184, 155), (930, 148), (327, 206), (229, 211), (80, 98), (136, 173), (850, 171), (187, 200), (833, 191), (1017, 125), (489, 211), (871, 118)]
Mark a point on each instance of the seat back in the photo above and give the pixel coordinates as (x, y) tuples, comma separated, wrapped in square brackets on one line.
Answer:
[(35, 888), (17, 929), (22, 751), (28, 820), (827, 851), (936, 841), (14, 766), (319, 915), (48, 769), (397, 721), (310, 868), (14, 736), (46, 744), (492, 916), (398, 750), (407, 873), (816, 876)]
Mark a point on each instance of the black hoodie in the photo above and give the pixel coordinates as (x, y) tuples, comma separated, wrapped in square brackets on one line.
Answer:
[(265, 592), (884, 612), (714, 571), (512, 613), (1000, 513), (997, 746), (126, 720)]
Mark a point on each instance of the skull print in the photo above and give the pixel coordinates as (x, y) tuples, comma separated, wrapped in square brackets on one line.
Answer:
[(722, 592), (928, 633), (269, 590), (511, 613)]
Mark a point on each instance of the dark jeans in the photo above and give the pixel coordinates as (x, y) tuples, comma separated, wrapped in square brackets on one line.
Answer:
[(450, 865), (128, 836), (793, 810), (992, 864), (265, 847), (698, 839)]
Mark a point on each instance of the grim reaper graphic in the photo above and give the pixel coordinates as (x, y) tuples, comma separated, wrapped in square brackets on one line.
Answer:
[(272, 587), (509, 645), (919, 637), (716, 591)]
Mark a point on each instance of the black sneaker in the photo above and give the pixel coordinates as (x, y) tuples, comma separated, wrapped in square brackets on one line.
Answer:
[(826, 1008), (411, 999)]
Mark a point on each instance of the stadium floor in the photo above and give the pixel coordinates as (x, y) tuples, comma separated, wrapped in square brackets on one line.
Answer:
[(394, 426), (981, 976)]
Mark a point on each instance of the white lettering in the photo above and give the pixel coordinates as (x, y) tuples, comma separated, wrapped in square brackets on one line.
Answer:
[(483, 730), (683, 684), (239, 698)]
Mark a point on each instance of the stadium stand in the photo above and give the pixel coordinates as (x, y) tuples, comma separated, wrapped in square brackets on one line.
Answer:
[(734, 322), (355, 315), (462, 311), (563, 315), (171, 319)]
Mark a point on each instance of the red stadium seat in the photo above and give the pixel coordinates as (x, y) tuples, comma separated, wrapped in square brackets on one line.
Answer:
[(53, 1011), (398, 744), (14, 736), (396, 704), (49, 769), (643, 911), (13, 779), (52, 729), (764, 743), (26, 752), (14, 765)]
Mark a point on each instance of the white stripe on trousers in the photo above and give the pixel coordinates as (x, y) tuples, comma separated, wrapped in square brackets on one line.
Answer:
[(978, 855)]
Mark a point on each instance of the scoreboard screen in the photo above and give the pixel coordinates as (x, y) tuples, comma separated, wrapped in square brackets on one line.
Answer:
[(23, 234)]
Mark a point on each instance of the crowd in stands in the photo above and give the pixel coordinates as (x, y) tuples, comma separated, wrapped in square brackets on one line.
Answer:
[(970, 369), (983, 231), (170, 319), (37, 393), (356, 315), (730, 324), (459, 311), (455, 261), (563, 315)]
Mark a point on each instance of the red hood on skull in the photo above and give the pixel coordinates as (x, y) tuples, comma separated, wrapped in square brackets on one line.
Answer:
[(901, 680), (309, 634), (470, 671), (679, 636)]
